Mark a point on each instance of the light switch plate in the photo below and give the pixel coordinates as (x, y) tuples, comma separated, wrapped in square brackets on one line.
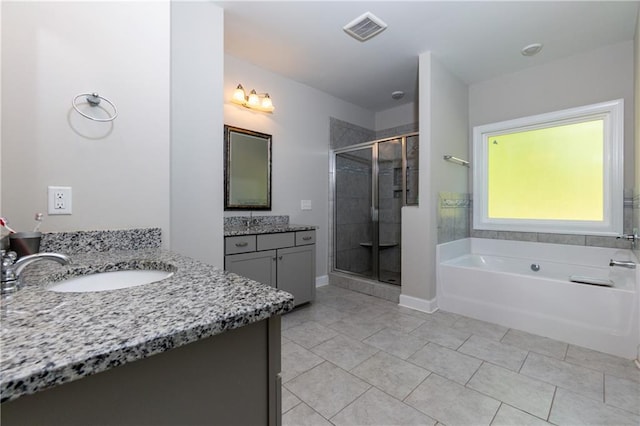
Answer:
[(305, 204)]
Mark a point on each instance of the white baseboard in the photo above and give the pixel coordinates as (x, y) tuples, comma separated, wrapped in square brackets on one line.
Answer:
[(322, 281), (423, 305)]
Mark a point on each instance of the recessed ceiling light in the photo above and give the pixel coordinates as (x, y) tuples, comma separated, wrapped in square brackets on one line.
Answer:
[(398, 94), (532, 49)]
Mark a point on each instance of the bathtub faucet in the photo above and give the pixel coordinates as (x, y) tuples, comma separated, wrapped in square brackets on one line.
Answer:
[(630, 237), (623, 263)]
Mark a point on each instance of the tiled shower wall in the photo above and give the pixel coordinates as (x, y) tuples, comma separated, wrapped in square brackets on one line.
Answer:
[(454, 216), (343, 134)]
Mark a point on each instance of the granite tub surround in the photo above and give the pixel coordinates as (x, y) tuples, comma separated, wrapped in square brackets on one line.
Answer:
[(51, 338), (237, 225)]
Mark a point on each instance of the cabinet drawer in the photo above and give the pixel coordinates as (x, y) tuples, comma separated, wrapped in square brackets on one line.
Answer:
[(274, 241), (242, 244), (304, 238)]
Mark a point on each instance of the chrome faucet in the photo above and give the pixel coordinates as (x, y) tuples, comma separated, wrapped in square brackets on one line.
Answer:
[(12, 269), (630, 237), (622, 263), (250, 221)]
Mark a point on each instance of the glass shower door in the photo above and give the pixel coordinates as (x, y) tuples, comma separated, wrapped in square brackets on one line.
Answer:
[(354, 230), (372, 181), (389, 202)]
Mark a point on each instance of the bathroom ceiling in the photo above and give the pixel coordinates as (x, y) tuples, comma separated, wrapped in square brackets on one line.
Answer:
[(476, 40)]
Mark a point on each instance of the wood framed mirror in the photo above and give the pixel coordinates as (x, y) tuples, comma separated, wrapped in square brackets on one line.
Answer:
[(247, 169)]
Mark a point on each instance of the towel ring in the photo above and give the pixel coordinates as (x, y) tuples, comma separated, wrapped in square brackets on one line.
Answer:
[(94, 99)]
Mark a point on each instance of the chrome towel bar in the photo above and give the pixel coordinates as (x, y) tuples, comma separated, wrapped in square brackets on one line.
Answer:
[(456, 160)]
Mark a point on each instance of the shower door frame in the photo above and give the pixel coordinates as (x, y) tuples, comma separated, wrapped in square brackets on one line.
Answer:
[(375, 244)]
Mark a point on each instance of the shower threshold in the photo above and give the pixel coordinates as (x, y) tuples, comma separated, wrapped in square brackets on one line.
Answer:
[(382, 290)]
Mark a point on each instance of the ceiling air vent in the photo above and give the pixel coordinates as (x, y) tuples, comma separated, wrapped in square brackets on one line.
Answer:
[(365, 27)]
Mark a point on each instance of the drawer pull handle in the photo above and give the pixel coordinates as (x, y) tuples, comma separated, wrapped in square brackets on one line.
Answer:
[(306, 238), (242, 244)]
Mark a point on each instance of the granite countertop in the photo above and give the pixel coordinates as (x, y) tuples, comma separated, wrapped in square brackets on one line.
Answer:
[(50, 338), (238, 230)]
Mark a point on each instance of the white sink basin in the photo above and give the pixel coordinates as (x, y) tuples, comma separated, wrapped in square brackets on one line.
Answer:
[(105, 281)]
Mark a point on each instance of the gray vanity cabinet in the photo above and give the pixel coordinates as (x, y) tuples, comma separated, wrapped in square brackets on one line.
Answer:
[(284, 260), (296, 272), (259, 266)]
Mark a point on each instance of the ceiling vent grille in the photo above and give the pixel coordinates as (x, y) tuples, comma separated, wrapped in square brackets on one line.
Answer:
[(365, 27)]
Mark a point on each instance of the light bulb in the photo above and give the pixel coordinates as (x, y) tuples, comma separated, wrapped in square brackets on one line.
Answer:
[(238, 94), (254, 100), (267, 105)]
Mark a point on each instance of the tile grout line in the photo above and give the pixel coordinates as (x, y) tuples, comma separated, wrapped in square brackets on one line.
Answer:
[(474, 373), (553, 400), (604, 389), (413, 390), (523, 362), (351, 403), (566, 352), (462, 344), (496, 413)]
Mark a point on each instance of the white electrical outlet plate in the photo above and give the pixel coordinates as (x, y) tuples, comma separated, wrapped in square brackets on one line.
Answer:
[(305, 204), (59, 199)]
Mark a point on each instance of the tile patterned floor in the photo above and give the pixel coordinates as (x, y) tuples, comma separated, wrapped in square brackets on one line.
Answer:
[(352, 359)]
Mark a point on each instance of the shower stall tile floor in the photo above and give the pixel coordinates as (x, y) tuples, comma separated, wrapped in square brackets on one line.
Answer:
[(353, 359)]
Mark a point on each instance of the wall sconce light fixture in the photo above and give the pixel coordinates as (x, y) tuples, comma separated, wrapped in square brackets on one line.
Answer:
[(260, 102)]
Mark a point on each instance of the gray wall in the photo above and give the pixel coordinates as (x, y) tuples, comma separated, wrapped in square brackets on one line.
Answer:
[(636, 190), (119, 171), (443, 130), (600, 75), (197, 50)]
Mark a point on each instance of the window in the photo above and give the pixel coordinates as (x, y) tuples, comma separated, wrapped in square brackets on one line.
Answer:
[(559, 172)]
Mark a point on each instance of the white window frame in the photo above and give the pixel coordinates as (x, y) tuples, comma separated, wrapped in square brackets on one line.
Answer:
[(613, 114)]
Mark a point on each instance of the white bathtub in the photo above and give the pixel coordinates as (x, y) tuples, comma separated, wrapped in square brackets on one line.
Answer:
[(492, 280)]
